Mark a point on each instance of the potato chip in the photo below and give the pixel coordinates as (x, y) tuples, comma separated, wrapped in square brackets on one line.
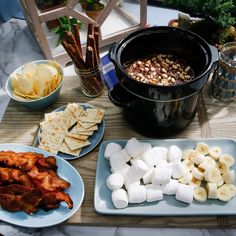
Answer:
[(36, 80)]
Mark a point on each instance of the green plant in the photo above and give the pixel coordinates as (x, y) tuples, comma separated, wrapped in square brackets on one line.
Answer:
[(66, 24), (92, 5), (221, 12)]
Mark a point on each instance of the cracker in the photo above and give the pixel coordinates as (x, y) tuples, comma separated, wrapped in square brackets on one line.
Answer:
[(54, 124), (92, 116), (81, 128), (77, 136), (75, 130), (69, 116), (74, 143), (85, 125), (50, 116), (65, 149), (51, 140), (75, 109)]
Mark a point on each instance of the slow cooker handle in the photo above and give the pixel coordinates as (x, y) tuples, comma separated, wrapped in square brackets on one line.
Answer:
[(118, 96), (214, 53), (111, 54)]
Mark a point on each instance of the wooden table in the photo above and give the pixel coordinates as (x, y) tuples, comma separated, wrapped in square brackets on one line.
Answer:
[(214, 119)]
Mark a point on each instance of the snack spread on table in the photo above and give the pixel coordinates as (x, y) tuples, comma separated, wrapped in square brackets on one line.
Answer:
[(161, 69), (29, 181), (36, 80), (141, 173), (68, 131)]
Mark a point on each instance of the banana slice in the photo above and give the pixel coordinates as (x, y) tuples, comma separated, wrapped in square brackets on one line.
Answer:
[(222, 166), (198, 158), (186, 178), (189, 164), (202, 148), (220, 182), (232, 187), (211, 190), (215, 152), (212, 175), (227, 158), (207, 163), (195, 182), (200, 194), (186, 154), (224, 193), (229, 177), (197, 173)]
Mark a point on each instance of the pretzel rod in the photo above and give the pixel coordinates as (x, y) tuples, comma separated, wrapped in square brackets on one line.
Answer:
[(91, 43), (97, 37), (70, 38), (90, 56), (72, 53), (77, 38), (90, 31), (68, 49)]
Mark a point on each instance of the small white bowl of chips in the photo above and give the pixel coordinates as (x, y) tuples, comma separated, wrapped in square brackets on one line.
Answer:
[(36, 84)]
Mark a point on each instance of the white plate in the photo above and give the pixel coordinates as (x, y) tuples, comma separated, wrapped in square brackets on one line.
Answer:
[(43, 218), (93, 139), (169, 205)]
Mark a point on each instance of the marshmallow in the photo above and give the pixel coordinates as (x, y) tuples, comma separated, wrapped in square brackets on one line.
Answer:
[(119, 198), (171, 187), (161, 175), (178, 169), (159, 153), (137, 194), (148, 158), (122, 171), (133, 147), (153, 193), (147, 178), (174, 154), (128, 182), (137, 169), (111, 148), (114, 181), (162, 164), (184, 193), (144, 148), (117, 162)]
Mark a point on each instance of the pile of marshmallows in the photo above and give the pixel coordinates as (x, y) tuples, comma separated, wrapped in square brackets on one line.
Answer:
[(141, 173)]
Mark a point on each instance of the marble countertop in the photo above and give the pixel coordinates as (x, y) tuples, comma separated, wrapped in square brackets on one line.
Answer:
[(18, 46)]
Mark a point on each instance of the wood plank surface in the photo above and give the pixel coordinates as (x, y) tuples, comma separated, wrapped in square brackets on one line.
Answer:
[(214, 119)]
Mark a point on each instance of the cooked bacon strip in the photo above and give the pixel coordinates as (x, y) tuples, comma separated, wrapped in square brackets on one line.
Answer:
[(52, 199), (49, 162), (16, 197), (47, 181), (10, 175)]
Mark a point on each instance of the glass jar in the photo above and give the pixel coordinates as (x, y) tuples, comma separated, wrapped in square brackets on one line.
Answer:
[(223, 85), (91, 80)]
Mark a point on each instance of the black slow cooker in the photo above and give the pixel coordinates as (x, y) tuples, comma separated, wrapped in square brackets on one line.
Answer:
[(160, 110)]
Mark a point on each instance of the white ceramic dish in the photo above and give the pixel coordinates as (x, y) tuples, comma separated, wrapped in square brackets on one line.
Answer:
[(169, 206), (43, 218)]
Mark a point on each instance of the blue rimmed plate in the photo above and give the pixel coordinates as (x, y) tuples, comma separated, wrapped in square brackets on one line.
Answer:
[(93, 139), (43, 218), (169, 206)]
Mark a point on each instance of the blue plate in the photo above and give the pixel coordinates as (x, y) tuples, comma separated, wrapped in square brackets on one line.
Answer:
[(169, 206), (43, 218), (93, 139)]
